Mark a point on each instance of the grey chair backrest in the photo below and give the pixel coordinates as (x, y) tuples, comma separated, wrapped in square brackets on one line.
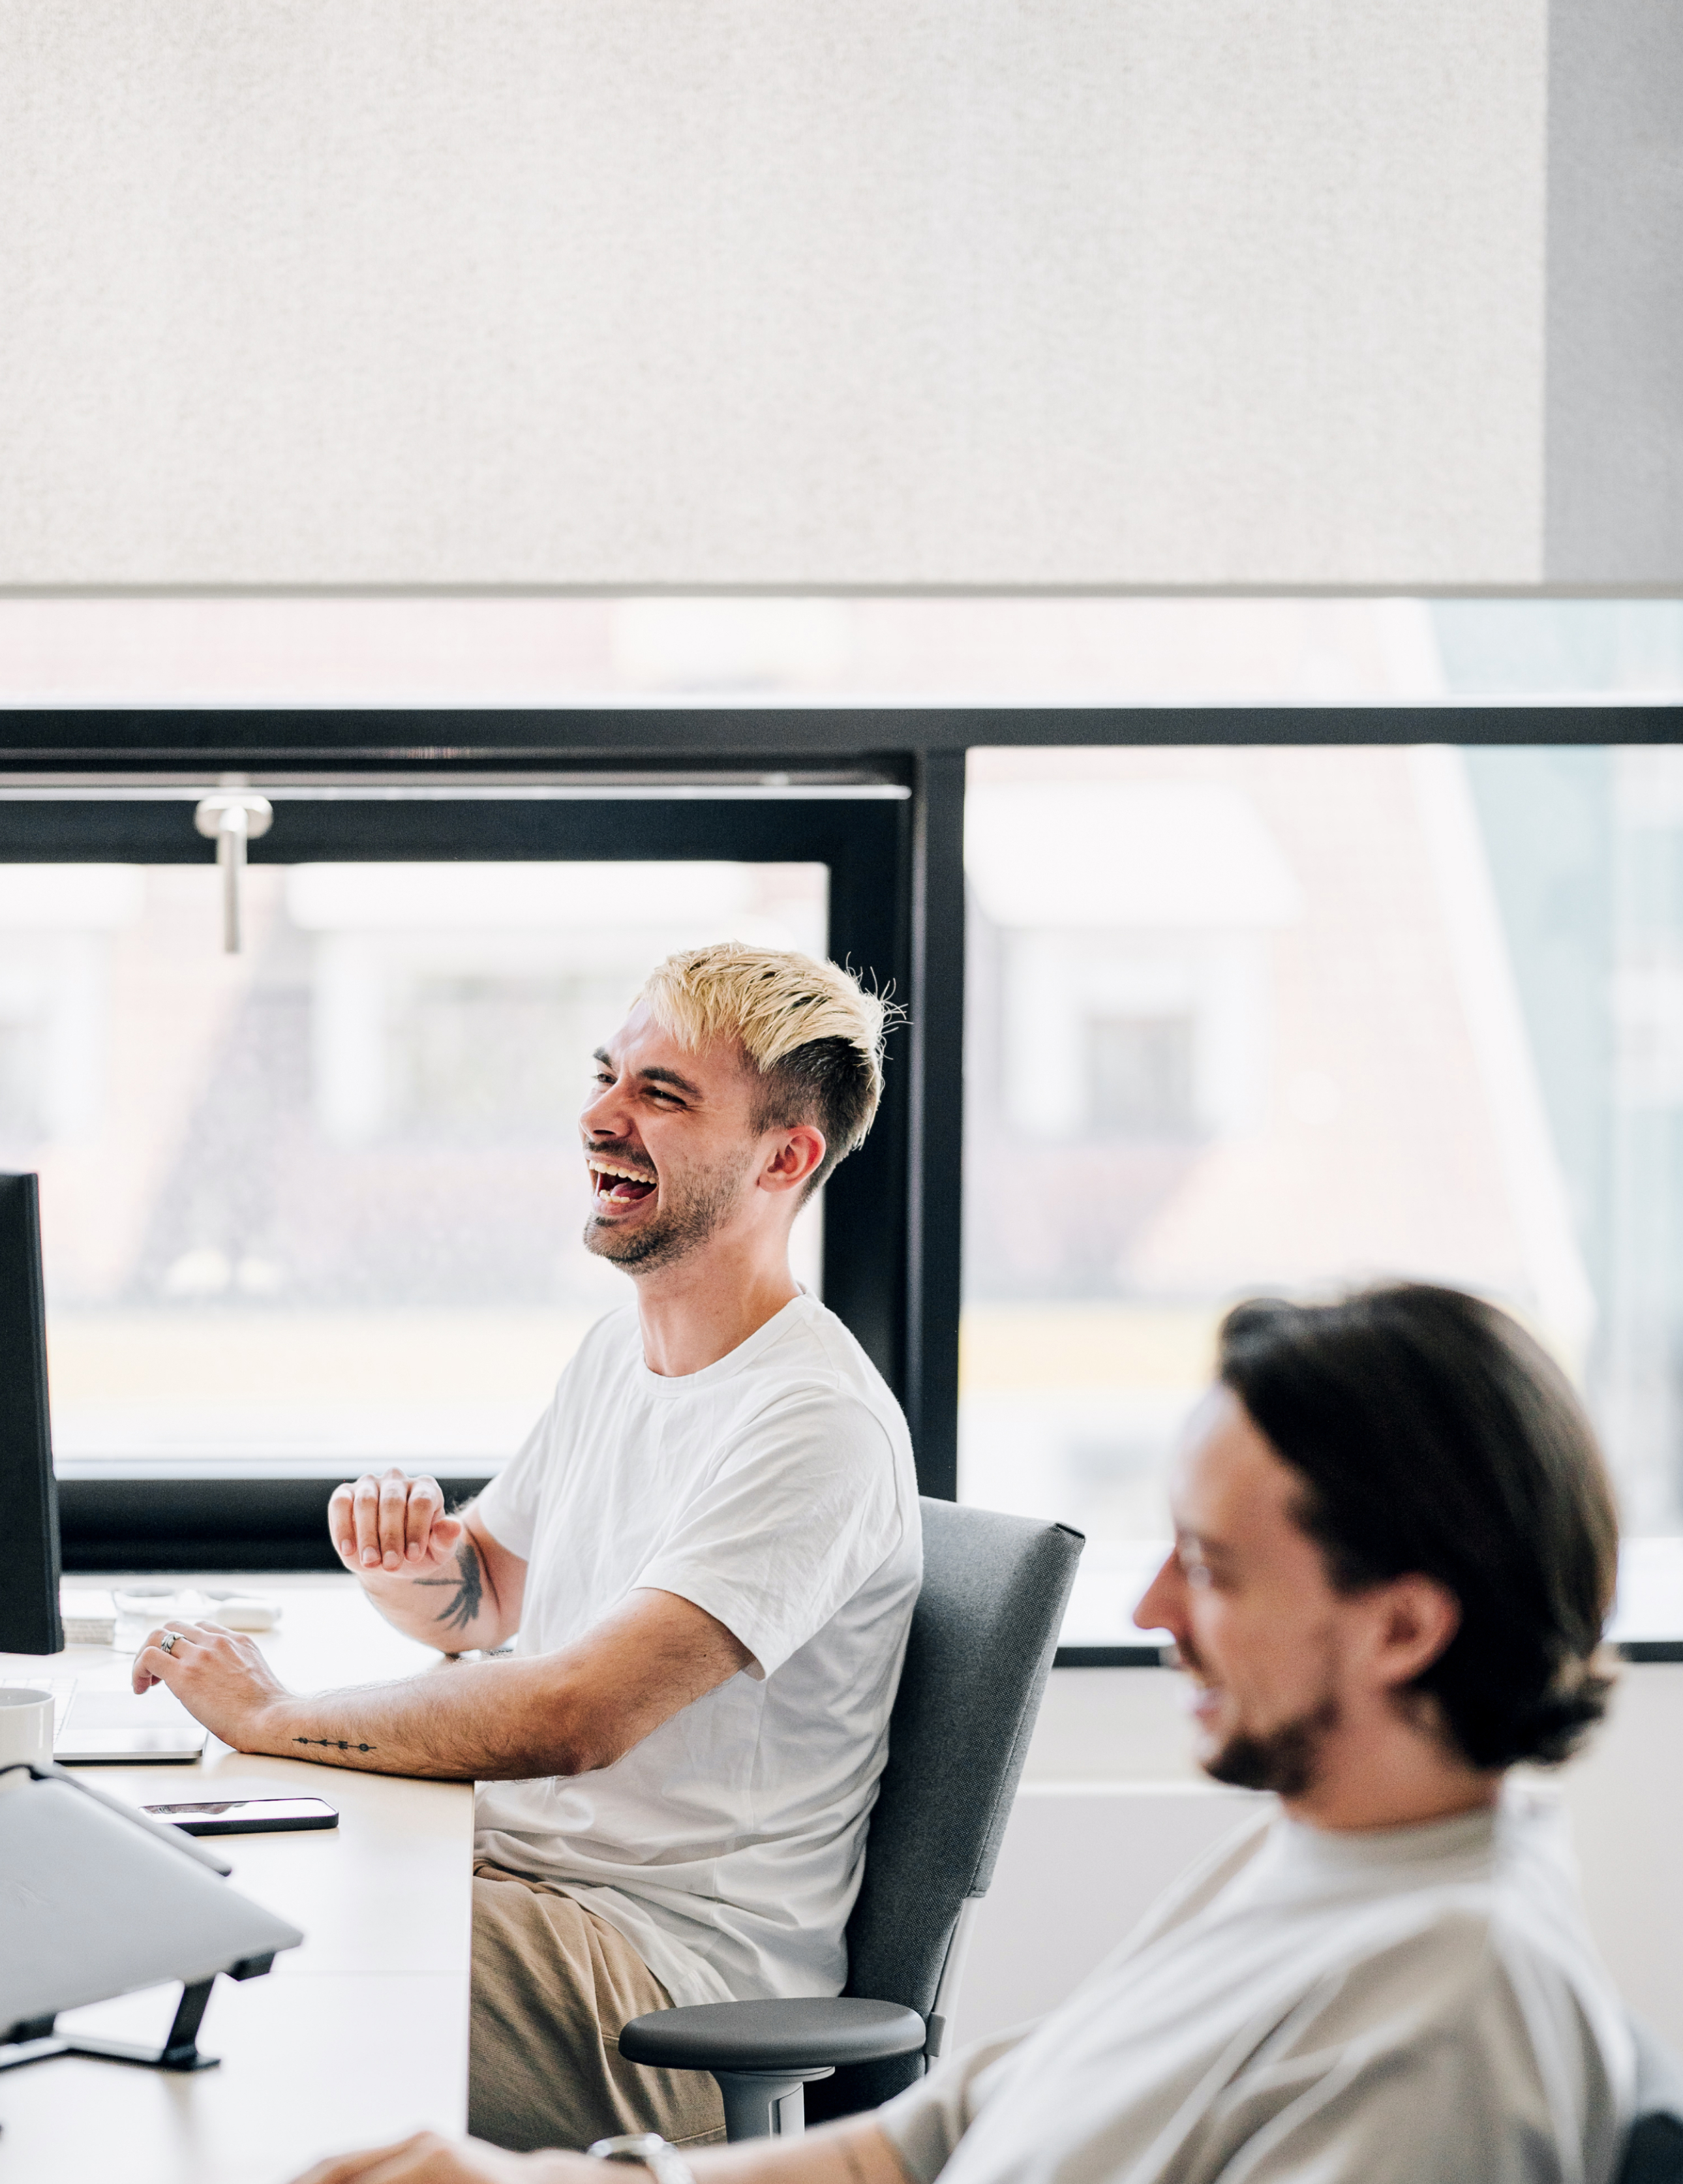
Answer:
[(1653, 2154), (982, 1636)]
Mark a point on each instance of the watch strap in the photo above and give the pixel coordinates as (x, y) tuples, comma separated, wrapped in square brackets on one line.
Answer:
[(650, 2150)]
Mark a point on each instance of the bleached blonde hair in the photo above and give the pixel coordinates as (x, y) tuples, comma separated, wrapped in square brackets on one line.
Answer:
[(810, 1027)]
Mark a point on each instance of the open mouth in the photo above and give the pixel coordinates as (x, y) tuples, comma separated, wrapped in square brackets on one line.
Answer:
[(616, 1186)]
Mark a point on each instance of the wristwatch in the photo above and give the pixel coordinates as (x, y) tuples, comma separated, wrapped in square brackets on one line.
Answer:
[(664, 2163)]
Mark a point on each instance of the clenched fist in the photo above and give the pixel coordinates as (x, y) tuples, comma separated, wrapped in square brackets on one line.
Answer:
[(393, 1522)]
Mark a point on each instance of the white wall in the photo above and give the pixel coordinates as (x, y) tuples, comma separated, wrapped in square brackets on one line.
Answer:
[(632, 293), (1109, 1811)]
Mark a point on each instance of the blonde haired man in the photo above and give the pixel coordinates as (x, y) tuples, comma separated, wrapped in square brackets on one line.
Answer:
[(710, 1549)]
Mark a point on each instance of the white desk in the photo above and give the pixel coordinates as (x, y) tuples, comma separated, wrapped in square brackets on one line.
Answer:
[(359, 2036)]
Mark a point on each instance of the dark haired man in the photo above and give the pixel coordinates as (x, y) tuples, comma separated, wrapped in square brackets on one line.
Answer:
[(1394, 1552), (710, 1548)]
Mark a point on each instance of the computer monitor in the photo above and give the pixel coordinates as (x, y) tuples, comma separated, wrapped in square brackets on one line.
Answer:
[(29, 1499)]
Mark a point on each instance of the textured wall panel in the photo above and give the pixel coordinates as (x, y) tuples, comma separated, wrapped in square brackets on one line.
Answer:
[(769, 291), (1615, 292)]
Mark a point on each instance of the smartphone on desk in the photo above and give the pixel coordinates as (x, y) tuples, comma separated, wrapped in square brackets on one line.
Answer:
[(246, 1816)]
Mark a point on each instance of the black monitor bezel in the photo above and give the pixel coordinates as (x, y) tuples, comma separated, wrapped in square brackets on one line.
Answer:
[(30, 1621)]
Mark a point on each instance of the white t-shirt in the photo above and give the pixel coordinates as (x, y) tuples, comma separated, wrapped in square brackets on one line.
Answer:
[(775, 1489), (1420, 2006)]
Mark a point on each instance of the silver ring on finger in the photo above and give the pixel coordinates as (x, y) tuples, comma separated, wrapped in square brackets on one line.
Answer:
[(166, 1644)]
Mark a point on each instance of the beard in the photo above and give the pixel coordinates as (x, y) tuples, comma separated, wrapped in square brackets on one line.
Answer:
[(1285, 1758), (695, 1206)]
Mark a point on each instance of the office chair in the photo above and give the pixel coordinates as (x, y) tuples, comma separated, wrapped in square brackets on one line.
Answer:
[(1653, 2154), (982, 1635)]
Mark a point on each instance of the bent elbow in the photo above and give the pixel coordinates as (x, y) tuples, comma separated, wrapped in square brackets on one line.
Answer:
[(551, 1736), (563, 1748), (581, 1754), (589, 1739)]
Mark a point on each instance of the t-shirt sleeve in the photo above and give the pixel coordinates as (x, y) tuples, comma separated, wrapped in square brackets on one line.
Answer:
[(508, 1508), (804, 1507), (925, 2123)]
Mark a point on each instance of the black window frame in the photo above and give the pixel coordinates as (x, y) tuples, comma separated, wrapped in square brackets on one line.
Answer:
[(897, 1201)]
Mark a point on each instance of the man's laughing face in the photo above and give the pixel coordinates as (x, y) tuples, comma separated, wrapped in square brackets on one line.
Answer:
[(669, 1144)]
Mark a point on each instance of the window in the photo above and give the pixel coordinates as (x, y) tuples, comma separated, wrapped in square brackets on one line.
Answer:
[(1291, 1018), (1140, 1075), (317, 1204), (1155, 1043), (320, 1202)]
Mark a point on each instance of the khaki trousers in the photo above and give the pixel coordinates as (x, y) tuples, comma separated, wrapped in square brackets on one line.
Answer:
[(551, 1986)]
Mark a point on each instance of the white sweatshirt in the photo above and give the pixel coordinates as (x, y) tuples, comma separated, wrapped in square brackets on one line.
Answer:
[(1413, 2007)]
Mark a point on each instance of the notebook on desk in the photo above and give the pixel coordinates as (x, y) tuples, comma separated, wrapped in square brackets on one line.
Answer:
[(92, 1726)]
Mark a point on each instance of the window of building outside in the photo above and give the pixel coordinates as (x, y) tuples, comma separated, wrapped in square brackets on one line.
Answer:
[(1244, 1020), (319, 1205)]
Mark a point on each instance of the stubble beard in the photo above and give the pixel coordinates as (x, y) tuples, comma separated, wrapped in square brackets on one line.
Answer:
[(692, 1216)]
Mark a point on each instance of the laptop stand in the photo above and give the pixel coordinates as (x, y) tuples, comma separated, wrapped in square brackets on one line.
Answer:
[(37, 2042)]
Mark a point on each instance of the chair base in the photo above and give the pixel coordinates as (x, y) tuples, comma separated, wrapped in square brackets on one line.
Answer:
[(765, 2104)]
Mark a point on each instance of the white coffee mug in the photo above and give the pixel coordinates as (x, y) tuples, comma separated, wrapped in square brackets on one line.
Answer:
[(26, 1726)]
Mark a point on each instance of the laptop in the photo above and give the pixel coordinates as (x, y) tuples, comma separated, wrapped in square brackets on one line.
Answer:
[(100, 1901), (95, 1726)]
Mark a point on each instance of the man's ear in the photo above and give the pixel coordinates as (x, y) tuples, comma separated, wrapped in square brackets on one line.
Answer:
[(795, 1159), (1416, 1618)]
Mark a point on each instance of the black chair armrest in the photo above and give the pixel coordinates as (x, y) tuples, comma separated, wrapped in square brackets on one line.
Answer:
[(808, 2033), (1653, 2154)]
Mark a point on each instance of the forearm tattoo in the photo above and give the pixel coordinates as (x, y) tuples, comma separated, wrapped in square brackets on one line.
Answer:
[(468, 1589), (335, 1744)]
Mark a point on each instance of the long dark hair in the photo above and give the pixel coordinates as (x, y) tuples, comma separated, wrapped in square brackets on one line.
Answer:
[(1433, 1434)]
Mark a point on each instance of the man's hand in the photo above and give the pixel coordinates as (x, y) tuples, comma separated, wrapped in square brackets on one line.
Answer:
[(393, 1522), (443, 1580), (856, 2152), (220, 1678), (427, 2159)]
